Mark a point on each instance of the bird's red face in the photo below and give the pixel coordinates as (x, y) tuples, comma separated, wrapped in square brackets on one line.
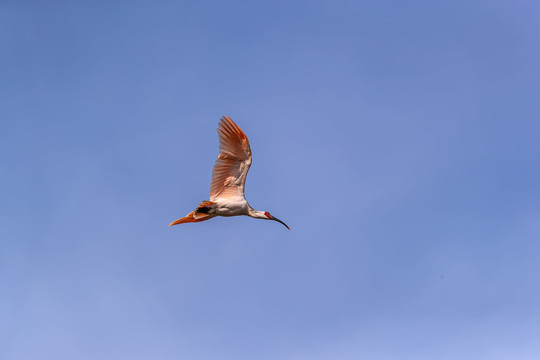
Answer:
[(270, 217)]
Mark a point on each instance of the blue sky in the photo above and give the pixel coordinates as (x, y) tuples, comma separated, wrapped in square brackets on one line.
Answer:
[(398, 140)]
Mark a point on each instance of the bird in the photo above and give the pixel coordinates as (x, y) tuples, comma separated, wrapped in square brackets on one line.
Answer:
[(228, 179)]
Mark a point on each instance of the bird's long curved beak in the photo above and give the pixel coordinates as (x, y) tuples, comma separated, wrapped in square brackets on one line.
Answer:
[(275, 218)]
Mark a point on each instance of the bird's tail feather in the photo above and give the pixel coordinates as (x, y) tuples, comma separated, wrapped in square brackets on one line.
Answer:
[(205, 211), (190, 218)]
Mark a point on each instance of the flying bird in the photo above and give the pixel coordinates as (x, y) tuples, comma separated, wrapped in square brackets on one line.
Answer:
[(228, 179)]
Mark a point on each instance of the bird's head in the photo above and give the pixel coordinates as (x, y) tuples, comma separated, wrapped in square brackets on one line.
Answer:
[(270, 217)]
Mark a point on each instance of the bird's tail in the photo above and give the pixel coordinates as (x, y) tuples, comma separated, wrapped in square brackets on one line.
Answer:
[(185, 219), (200, 214), (188, 218)]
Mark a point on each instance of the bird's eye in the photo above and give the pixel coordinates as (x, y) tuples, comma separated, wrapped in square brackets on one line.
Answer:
[(267, 214)]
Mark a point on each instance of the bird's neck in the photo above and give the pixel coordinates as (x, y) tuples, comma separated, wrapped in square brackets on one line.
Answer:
[(256, 214)]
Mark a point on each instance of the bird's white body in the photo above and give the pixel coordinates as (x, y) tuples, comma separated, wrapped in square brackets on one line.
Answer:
[(225, 207), (228, 179)]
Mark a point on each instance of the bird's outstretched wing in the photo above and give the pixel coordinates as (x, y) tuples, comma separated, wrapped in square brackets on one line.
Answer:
[(232, 164)]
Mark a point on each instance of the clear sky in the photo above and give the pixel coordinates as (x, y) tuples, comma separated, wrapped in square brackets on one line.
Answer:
[(398, 139)]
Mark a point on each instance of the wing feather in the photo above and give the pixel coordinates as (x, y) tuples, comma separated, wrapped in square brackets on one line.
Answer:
[(233, 162)]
